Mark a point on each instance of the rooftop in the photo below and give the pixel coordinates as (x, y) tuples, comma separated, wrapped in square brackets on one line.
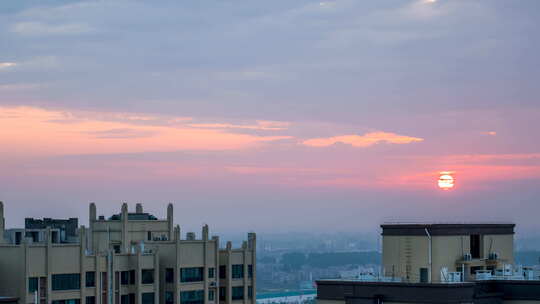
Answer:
[(447, 229), (134, 217)]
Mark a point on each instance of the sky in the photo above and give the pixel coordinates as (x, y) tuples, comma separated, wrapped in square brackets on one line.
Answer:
[(272, 116)]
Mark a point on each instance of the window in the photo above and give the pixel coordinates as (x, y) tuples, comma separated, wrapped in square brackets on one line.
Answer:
[(42, 286), (238, 293), (54, 236), (149, 235), (32, 284), (192, 274), (147, 298), (424, 276), (169, 297), (169, 275), (250, 271), (34, 235), (147, 276), (90, 279), (250, 292), (237, 271), (104, 288), (127, 299), (124, 278), (132, 277), (104, 282), (116, 248), (91, 300), (222, 294), (66, 281), (211, 272), (211, 295), (124, 299), (222, 272), (70, 301), (192, 297), (475, 246)]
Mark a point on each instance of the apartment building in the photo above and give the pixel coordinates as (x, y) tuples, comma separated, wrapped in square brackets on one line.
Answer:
[(441, 263), (127, 258)]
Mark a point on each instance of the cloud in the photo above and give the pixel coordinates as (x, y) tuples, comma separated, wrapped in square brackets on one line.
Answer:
[(6, 65), (34, 131), (366, 140), (491, 133), (122, 133), (33, 64), (38, 28), (21, 86), (260, 125)]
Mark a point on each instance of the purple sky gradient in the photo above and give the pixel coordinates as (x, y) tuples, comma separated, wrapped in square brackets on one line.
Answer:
[(215, 106)]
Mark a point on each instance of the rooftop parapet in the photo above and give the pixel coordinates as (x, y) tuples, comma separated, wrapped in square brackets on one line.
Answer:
[(447, 229)]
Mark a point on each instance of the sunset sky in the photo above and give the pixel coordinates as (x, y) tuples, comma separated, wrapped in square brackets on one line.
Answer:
[(272, 116)]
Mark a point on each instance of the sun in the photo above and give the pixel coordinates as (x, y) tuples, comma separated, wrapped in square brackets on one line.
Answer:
[(446, 180)]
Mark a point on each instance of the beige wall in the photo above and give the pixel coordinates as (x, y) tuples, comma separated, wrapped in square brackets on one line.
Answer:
[(502, 244), (446, 250), (404, 256), (12, 267)]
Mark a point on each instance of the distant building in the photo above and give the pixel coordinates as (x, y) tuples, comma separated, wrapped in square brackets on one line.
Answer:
[(130, 258), (441, 263)]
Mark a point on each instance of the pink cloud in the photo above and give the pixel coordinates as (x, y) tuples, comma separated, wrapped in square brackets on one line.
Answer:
[(34, 131), (366, 140), (260, 125)]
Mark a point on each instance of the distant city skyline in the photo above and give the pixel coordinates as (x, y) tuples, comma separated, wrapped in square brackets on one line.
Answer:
[(311, 116)]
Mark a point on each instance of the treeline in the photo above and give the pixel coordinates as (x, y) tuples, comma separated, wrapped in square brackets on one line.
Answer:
[(296, 260), (527, 258)]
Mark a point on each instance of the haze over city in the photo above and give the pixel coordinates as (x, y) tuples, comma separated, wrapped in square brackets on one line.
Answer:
[(272, 116)]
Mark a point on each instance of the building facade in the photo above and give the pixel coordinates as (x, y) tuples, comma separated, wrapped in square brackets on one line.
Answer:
[(128, 258)]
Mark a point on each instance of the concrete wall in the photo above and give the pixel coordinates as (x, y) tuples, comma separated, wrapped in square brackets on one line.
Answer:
[(12, 263), (446, 250), (502, 244), (404, 255)]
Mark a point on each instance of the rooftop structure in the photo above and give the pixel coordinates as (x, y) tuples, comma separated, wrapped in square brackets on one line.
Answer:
[(420, 252), (441, 263)]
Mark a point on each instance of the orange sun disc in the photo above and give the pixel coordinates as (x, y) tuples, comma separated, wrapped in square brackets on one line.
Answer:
[(446, 181)]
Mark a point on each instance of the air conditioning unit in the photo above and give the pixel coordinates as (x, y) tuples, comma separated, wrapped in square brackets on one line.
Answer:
[(493, 256), (467, 257)]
